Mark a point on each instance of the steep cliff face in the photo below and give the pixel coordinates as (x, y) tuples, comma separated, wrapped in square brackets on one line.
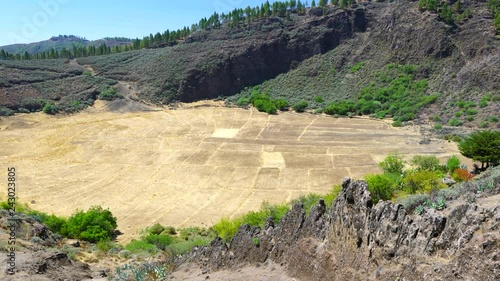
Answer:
[(355, 240), (263, 55)]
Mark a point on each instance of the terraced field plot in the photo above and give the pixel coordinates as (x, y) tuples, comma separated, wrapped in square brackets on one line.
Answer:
[(190, 166)]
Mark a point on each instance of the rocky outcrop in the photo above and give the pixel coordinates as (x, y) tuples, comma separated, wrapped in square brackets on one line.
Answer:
[(356, 240), (36, 255)]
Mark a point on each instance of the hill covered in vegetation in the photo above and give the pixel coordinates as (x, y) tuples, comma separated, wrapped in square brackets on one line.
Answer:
[(435, 61), (61, 44)]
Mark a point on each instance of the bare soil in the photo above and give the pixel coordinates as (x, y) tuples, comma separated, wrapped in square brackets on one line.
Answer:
[(193, 165)]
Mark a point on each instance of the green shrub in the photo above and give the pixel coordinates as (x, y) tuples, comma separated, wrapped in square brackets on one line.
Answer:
[(422, 182), (438, 126), (319, 99), (381, 187), (160, 241), (483, 102), (52, 222), (461, 104), (281, 104), (393, 164), (493, 119), (425, 162), (50, 108), (469, 104), (169, 230), (458, 114), (227, 228), (256, 241), (453, 163), (357, 67), (455, 122), (484, 124), (437, 118), (242, 102), (105, 246), (411, 202), (397, 124), (139, 246), (308, 201), (109, 94), (183, 247), (471, 111), (340, 108), (156, 229), (95, 225), (87, 73), (300, 106)]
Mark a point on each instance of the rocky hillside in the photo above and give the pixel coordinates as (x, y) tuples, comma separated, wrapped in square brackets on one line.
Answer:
[(356, 240), (329, 54)]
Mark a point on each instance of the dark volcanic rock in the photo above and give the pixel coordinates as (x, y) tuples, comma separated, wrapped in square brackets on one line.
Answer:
[(355, 240)]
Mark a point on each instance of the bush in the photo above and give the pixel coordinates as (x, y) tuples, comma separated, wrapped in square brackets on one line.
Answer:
[(156, 229), (242, 102), (160, 241), (393, 164), (412, 201), (340, 108), (455, 122), (308, 201), (461, 175), (94, 226), (4, 111), (471, 111), (319, 99), (281, 104), (438, 126), (227, 228), (422, 182), (105, 246), (52, 222), (109, 95), (483, 102), (453, 163), (183, 247), (138, 246), (50, 108), (357, 67), (437, 118), (300, 106), (397, 124), (425, 162), (381, 187)]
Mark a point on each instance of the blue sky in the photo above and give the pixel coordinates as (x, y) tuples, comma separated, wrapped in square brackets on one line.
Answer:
[(26, 21)]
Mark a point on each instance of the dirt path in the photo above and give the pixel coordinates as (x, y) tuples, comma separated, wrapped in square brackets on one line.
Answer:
[(268, 272), (193, 165)]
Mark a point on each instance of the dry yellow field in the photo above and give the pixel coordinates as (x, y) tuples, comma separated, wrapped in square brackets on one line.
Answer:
[(190, 166)]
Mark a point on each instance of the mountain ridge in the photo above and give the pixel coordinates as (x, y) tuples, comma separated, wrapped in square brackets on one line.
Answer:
[(62, 41)]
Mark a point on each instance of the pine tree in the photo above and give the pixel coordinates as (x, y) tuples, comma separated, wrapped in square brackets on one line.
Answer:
[(313, 4), (322, 3)]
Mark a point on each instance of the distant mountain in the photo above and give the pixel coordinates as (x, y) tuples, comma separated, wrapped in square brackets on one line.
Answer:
[(63, 41)]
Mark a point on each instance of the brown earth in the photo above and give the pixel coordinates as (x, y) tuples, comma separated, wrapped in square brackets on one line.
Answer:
[(191, 166)]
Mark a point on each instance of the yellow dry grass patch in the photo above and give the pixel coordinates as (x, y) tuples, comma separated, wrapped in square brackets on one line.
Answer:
[(193, 165)]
